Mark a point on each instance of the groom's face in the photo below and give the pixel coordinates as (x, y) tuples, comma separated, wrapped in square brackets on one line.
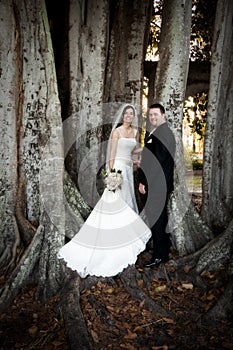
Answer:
[(156, 117)]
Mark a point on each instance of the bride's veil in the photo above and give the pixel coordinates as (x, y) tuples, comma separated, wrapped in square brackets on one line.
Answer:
[(118, 119)]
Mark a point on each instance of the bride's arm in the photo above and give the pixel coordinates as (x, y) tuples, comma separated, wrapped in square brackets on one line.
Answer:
[(113, 147), (136, 153), (137, 149)]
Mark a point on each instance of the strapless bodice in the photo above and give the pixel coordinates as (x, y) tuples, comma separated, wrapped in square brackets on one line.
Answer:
[(125, 147)]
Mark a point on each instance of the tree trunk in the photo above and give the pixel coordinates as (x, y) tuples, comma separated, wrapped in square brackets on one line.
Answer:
[(127, 49), (39, 140), (10, 90), (218, 154), (88, 44), (198, 78), (188, 231)]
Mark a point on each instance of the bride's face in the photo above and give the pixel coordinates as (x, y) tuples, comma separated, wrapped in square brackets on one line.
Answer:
[(128, 115)]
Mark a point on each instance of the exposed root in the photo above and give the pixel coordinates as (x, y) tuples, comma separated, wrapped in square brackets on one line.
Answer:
[(15, 246), (217, 252), (211, 256), (10, 255), (224, 306), (26, 229), (74, 198), (6, 256), (22, 272), (72, 313), (129, 279), (73, 222)]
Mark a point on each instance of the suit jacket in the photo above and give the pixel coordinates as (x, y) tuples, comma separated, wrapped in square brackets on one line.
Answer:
[(157, 164)]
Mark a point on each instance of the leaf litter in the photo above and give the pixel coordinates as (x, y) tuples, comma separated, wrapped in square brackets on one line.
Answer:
[(116, 321)]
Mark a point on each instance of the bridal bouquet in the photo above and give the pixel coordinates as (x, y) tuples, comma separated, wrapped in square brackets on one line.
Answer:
[(112, 179)]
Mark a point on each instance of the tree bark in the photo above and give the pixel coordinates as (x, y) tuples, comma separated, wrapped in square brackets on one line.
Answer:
[(198, 78), (88, 45), (75, 323), (40, 151), (10, 90), (188, 231), (218, 154), (127, 49)]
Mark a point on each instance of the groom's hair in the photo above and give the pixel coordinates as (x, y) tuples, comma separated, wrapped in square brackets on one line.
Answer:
[(158, 105)]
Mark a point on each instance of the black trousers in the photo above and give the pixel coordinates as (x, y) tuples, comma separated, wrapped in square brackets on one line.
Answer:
[(161, 239)]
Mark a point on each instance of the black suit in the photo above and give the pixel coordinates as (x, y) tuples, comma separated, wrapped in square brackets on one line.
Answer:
[(156, 173)]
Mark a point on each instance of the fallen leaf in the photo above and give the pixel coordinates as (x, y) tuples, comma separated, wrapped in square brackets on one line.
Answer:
[(142, 303), (161, 288), (138, 329), (187, 285), (127, 346), (33, 330), (168, 320), (57, 343), (110, 290), (186, 268), (130, 335), (94, 336), (110, 308), (140, 283), (210, 297)]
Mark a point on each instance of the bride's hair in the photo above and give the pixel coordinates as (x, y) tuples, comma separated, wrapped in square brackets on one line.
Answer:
[(117, 121)]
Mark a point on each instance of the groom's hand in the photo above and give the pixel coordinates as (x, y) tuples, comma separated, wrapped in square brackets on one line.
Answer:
[(141, 189)]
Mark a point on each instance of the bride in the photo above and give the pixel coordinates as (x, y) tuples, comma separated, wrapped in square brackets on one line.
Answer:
[(113, 234)]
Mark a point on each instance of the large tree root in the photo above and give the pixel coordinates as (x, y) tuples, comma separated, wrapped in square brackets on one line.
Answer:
[(70, 303), (129, 279), (212, 256), (224, 306), (26, 228), (215, 254), (74, 321), (9, 257), (74, 198), (22, 272)]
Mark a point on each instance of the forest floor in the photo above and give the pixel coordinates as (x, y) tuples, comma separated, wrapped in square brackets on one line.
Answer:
[(128, 324), (116, 321)]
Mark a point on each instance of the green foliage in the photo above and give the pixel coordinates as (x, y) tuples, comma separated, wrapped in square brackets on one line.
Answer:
[(155, 28), (197, 164), (196, 114), (203, 15), (202, 29)]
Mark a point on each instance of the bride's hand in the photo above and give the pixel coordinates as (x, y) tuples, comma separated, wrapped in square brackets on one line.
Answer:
[(136, 163)]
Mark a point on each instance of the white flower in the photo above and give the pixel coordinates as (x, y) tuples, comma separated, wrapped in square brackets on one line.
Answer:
[(112, 179)]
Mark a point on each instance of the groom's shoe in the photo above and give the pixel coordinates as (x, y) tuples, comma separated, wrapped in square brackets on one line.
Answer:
[(154, 263)]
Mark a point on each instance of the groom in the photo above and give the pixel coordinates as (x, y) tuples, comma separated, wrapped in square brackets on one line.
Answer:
[(156, 180)]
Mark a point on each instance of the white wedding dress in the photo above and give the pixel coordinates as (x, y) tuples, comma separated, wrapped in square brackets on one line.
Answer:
[(113, 234)]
